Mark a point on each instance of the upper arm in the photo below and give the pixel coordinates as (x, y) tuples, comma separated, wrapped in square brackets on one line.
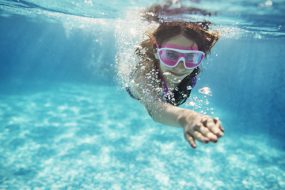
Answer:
[(146, 87)]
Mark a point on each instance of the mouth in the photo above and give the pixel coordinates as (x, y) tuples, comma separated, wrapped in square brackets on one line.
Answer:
[(174, 74), (178, 74)]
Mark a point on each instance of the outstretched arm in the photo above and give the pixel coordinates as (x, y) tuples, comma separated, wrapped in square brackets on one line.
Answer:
[(196, 126)]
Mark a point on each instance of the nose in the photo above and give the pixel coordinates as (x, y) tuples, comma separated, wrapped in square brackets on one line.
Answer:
[(180, 66)]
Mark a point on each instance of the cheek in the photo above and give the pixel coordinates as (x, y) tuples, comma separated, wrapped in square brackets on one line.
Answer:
[(164, 68)]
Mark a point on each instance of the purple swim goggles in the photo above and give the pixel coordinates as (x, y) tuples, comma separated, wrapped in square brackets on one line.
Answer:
[(171, 55)]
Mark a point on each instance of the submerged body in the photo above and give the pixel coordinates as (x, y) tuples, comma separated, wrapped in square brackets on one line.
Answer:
[(163, 79)]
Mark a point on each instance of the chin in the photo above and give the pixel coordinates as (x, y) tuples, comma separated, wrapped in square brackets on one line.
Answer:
[(176, 80)]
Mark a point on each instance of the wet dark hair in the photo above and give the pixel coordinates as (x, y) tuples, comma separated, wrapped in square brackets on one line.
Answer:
[(197, 32)]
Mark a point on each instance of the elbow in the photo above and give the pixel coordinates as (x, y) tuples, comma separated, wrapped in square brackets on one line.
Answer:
[(154, 115), (150, 113), (155, 110)]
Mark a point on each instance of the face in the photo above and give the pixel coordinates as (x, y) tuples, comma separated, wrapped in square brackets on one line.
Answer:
[(176, 74)]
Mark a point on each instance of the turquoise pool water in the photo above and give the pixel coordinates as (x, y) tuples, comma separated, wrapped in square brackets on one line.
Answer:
[(95, 137), (66, 123)]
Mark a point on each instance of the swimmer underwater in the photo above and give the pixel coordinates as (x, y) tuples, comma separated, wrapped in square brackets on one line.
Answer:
[(168, 65)]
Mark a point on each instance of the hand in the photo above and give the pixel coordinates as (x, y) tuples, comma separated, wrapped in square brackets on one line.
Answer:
[(202, 128)]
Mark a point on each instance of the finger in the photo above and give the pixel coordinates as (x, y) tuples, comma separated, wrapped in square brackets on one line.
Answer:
[(204, 120), (206, 137), (217, 131), (190, 140), (200, 132), (212, 137), (200, 137), (197, 127), (205, 131), (221, 128), (218, 122), (208, 122), (214, 127)]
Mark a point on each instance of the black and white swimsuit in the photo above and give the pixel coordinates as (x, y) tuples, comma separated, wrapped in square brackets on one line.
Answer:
[(181, 93)]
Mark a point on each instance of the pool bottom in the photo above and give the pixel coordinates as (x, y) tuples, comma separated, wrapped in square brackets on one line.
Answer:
[(96, 137)]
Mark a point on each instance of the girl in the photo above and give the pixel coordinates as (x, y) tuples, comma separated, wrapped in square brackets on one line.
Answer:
[(167, 69)]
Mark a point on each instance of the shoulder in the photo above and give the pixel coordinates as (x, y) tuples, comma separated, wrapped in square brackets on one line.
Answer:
[(146, 72), (145, 80), (146, 63)]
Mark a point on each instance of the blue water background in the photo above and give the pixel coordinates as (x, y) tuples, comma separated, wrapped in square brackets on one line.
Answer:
[(56, 82)]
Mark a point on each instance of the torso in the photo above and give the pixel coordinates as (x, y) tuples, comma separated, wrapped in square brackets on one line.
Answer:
[(166, 86)]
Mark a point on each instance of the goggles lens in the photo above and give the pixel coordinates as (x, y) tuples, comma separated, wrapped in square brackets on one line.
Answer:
[(171, 57)]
